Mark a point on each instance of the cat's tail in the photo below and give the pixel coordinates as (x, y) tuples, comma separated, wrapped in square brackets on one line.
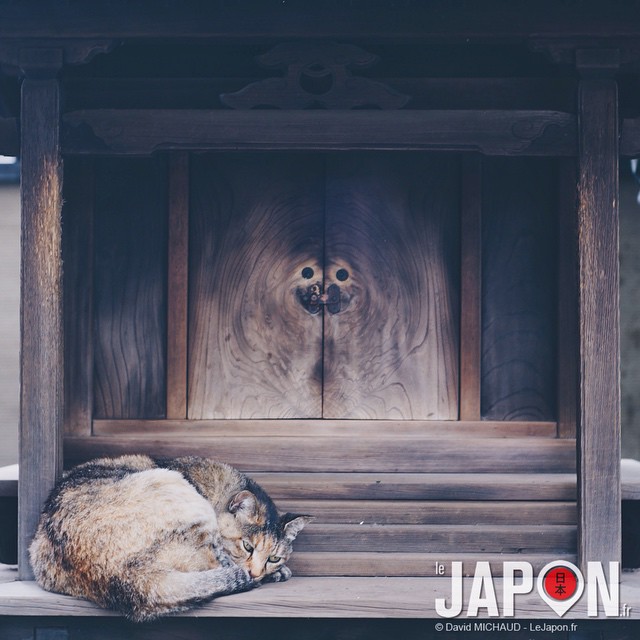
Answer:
[(146, 597)]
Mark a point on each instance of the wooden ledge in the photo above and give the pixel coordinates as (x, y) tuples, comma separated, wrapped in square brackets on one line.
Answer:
[(315, 598)]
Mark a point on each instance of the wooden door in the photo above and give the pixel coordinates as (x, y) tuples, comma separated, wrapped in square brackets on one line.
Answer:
[(382, 227)]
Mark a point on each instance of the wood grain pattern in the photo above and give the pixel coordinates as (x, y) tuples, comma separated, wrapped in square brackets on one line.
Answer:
[(409, 512), (373, 454), (177, 286), (392, 351), (407, 564), (599, 433), (510, 538), (41, 303), (518, 284), (130, 289), (330, 428), (77, 252), (254, 352), (471, 289), (144, 131), (305, 598)]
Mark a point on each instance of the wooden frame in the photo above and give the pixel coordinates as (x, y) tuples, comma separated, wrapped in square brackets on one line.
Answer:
[(592, 336)]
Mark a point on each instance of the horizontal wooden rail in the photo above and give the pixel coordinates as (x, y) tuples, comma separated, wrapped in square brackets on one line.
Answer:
[(492, 132), (329, 428), (410, 512), (409, 454)]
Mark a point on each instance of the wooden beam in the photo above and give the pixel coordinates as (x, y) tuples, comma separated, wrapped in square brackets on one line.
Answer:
[(177, 286), (471, 289), (449, 20), (328, 428), (143, 131), (372, 454), (599, 432), (41, 371)]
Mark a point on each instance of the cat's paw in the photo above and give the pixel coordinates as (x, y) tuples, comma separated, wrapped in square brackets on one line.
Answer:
[(240, 577), (282, 574)]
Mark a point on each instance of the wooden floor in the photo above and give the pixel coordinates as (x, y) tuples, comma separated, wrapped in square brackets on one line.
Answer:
[(311, 598)]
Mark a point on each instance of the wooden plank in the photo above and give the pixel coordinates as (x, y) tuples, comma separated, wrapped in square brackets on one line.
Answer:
[(384, 454), (471, 288), (568, 355), (431, 486), (42, 330), (406, 564), (332, 428), (130, 289), (254, 351), (392, 229), (382, 512), (556, 94), (518, 285), (77, 253), (599, 434), (448, 22), (177, 286), (442, 538), (317, 598), (143, 131)]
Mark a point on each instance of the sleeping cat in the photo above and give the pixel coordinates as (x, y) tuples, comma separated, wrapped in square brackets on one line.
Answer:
[(152, 537)]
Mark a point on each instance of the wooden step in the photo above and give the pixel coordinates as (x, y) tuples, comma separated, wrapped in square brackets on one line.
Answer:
[(438, 538), (367, 563), (380, 454), (432, 512), (419, 486)]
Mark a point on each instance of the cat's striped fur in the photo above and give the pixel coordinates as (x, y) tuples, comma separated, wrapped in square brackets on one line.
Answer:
[(152, 537)]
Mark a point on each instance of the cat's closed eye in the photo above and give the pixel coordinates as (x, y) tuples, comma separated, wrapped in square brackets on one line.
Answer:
[(247, 547)]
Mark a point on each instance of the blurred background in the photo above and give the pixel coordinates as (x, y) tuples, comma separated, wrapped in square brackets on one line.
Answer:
[(10, 303)]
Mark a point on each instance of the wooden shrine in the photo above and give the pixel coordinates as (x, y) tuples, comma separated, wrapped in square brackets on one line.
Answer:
[(367, 254)]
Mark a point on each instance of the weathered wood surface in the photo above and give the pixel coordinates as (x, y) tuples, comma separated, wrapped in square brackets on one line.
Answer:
[(130, 289), (518, 285), (555, 94), (325, 427), (374, 454), (599, 433), (383, 512), (256, 223), (509, 538), (178, 286), (441, 21), (143, 131), (42, 348), (407, 564), (392, 350), (77, 253), (317, 597), (471, 289)]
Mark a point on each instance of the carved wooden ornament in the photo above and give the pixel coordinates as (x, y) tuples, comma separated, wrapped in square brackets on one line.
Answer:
[(318, 76)]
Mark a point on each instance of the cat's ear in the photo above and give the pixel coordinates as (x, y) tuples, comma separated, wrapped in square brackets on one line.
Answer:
[(293, 524), (243, 504)]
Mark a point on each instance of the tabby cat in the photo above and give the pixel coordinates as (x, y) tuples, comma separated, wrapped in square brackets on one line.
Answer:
[(153, 537)]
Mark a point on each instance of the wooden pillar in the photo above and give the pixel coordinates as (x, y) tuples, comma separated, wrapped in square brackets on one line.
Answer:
[(599, 533), (41, 360)]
